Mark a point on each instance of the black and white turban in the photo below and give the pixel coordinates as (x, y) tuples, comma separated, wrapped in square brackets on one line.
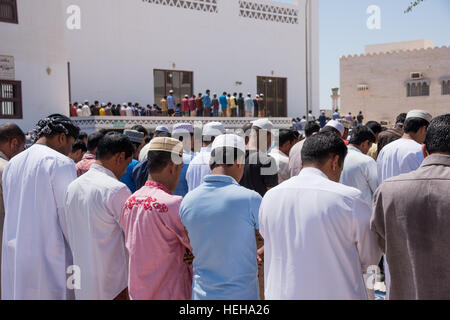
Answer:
[(54, 124)]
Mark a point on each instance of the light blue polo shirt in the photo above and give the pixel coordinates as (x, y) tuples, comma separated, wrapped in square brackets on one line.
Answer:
[(221, 218)]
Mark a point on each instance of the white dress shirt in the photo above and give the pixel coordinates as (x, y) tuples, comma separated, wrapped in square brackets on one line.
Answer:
[(198, 168), (94, 203), (35, 255), (398, 157), (317, 239), (282, 161), (360, 172)]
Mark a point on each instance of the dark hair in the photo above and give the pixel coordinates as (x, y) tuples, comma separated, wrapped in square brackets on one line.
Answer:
[(158, 160), (401, 118), (79, 145), (386, 137), (140, 129), (113, 143), (224, 156), (374, 126), (320, 147), (9, 131), (438, 135), (311, 128), (82, 135), (361, 134), (94, 139), (414, 124), (287, 135)]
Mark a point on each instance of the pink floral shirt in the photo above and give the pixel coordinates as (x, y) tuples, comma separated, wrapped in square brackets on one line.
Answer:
[(157, 242)]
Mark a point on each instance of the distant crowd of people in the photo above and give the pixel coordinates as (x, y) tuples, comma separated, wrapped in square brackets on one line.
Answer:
[(202, 105)]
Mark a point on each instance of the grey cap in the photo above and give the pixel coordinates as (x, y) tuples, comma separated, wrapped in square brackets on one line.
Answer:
[(134, 136)]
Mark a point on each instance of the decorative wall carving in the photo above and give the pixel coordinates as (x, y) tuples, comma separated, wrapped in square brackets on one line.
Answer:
[(209, 6), (268, 12)]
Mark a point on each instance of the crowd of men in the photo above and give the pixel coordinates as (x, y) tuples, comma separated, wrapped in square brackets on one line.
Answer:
[(258, 213), (202, 105)]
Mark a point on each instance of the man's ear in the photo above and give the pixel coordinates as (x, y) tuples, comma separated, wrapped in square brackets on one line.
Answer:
[(425, 151), (335, 163), (62, 138)]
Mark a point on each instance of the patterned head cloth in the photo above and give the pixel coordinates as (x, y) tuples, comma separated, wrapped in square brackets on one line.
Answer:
[(54, 124)]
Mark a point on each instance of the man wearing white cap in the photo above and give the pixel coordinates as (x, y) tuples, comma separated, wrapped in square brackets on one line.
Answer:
[(199, 166), (335, 127), (261, 170), (405, 155), (221, 218)]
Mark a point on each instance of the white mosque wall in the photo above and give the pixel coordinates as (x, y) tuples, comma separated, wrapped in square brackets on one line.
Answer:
[(40, 59)]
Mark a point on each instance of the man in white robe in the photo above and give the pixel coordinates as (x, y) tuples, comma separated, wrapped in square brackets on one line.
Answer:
[(316, 231), (199, 166), (35, 254), (93, 206), (360, 170), (405, 155)]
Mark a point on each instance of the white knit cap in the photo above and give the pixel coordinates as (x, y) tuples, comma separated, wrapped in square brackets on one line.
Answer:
[(264, 124), (337, 125), (420, 114), (229, 140), (213, 129)]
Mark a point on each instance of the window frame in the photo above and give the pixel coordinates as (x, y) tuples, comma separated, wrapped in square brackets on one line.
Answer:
[(15, 11), (445, 84), (418, 86), (166, 90), (18, 113)]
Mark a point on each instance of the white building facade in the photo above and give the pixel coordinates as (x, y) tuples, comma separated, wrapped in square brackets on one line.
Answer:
[(138, 50)]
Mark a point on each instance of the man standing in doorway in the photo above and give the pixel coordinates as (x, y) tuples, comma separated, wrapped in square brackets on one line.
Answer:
[(171, 102)]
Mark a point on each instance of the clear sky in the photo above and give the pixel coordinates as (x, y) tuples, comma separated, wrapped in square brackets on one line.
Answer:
[(343, 31)]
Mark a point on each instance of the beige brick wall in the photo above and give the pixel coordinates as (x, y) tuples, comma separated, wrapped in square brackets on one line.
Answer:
[(385, 75)]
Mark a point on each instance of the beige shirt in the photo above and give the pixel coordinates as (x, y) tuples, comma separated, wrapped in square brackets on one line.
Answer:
[(411, 220), (295, 159), (3, 164)]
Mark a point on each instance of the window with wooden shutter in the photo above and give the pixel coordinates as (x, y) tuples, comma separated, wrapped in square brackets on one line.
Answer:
[(10, 99), (8, 11)]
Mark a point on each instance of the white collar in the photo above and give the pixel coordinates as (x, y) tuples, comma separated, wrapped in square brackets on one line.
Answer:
[(103, 170), (354, 149), (314, 172)]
